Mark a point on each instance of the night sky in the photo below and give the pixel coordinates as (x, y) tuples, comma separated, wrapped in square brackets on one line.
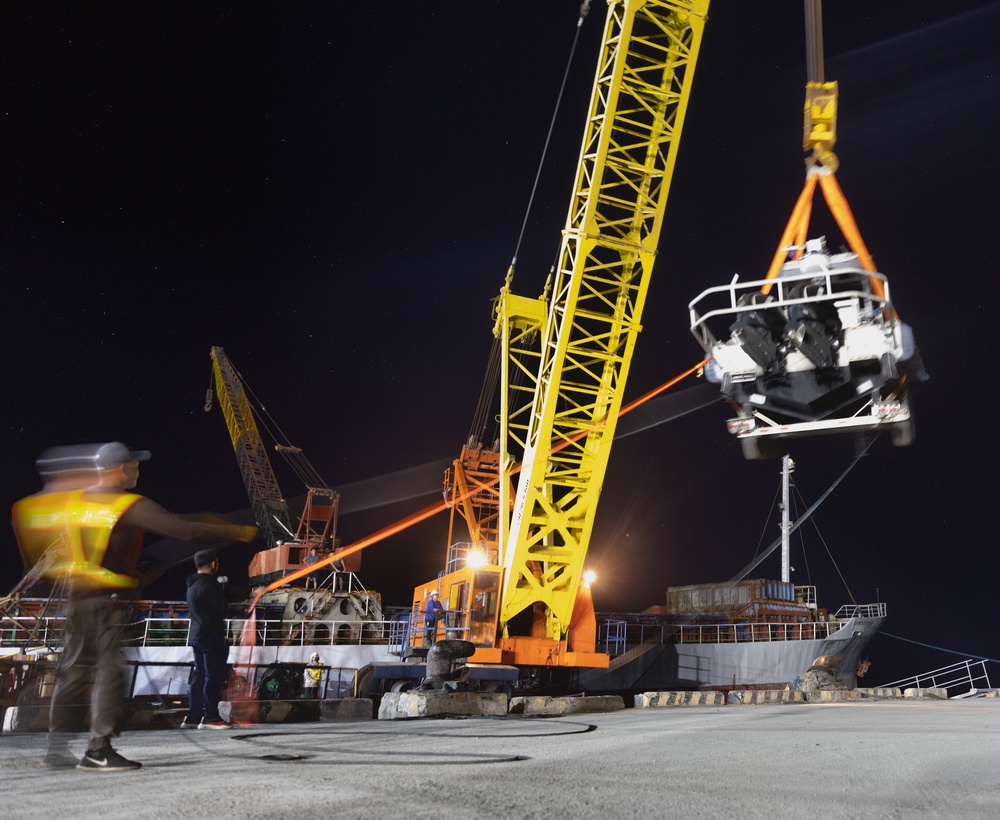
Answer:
[(333, 192)]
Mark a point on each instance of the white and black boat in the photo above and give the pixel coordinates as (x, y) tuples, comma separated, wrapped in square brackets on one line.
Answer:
[(819, 349)]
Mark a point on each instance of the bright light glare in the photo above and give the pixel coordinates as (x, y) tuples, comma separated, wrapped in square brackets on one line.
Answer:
[(475, 559), (589, 576)]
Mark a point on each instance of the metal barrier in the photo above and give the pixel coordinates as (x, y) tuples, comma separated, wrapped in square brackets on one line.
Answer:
[(174, 632), (336, 681), (618, 636), (860, 611), (968, 675), (28, 629)]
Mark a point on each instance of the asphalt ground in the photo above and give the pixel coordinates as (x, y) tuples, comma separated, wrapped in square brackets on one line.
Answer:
[(883, 759)]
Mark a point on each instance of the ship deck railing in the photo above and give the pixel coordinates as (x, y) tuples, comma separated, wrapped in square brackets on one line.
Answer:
[(150, 632), (31, 631), (168, 679), (615, 636), (840, 285), (860, 611)]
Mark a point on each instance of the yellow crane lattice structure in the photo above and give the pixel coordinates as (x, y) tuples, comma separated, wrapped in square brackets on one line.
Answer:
[(609, 244)]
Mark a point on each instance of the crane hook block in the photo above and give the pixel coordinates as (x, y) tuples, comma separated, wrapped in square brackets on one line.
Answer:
[(208, 400)]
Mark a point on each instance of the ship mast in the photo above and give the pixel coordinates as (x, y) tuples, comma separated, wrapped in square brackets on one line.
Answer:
[(787, 467)]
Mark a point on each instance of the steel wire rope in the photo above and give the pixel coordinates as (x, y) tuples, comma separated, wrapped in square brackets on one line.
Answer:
[(584, 10), (805, 516), (296, 459), (491, 379), (770, 512), (938, 648), (481, 417), (742, 574), (434, 508), (829, 553), (802, 540)]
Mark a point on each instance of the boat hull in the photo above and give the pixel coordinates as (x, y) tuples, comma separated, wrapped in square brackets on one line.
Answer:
[(758, 664), (164, 670)]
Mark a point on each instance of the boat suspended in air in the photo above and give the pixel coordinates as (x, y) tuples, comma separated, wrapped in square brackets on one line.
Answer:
[(815, 346), (817, 349)]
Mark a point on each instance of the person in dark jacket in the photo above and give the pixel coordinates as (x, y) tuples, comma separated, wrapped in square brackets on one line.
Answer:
[(207, 639), (433, 614)]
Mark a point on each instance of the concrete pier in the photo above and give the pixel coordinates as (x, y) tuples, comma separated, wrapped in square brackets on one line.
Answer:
[(915, 758)]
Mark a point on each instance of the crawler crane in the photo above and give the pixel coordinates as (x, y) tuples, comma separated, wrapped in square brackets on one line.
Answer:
[(287, 547), (515, 590)]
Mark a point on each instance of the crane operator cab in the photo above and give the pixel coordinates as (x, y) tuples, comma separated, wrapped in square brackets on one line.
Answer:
[(817, 350)]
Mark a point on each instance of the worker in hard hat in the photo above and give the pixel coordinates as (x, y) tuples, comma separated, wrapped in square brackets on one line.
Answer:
[(88, 529), (433, 613), (312, 676)]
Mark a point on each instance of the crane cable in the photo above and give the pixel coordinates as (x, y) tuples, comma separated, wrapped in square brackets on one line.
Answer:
[(584, 10), (433, 509), (821, 164), (293, 455), (483, 414), (743, 573)]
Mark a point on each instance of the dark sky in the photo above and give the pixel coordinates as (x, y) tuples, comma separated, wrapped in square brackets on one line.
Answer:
[(333, 192)]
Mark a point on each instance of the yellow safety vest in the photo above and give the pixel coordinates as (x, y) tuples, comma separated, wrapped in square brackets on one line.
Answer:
[(77, 528)]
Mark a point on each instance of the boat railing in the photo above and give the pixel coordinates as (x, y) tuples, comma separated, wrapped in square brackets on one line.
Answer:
[(156, 632), (848, 611), (460, 552), (174, 632), (454, 625), (165, 679), (838, 285), (617, 636), (968, 678), (31, 631)]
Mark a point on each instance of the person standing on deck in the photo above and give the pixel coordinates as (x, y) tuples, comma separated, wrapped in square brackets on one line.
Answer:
[(207, 639)]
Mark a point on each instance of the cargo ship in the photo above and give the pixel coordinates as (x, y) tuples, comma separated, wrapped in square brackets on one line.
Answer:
[(753, 634)]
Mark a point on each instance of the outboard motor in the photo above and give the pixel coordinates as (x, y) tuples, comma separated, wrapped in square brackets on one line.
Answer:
[(814, 328), (760, 333)]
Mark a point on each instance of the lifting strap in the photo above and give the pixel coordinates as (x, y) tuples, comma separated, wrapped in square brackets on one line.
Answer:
[(798, 226)]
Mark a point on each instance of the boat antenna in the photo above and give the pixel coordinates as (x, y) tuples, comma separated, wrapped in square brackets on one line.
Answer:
[(787, 466)]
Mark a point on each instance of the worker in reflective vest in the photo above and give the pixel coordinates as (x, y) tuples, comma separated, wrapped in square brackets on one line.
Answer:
[(85, 530), (312, 676)]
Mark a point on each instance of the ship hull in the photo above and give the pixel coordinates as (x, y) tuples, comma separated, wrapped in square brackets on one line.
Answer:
[(164, 670), (759, 664)]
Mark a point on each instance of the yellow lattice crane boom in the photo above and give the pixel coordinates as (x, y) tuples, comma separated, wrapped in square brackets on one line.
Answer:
[(564, 361), (637, 110), (269, 507), (287, 544)]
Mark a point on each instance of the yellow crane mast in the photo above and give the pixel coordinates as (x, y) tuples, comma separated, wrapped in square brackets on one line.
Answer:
[(609, 244), (566, 356), (288, 545), (269, 506)]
